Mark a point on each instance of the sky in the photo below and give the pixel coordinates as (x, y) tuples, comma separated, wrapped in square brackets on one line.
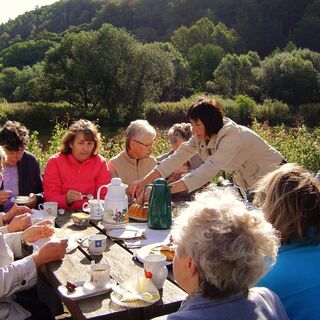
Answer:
[(10, 9)]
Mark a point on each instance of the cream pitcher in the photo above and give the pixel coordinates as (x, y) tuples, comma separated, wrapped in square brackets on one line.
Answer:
[(115, 206)]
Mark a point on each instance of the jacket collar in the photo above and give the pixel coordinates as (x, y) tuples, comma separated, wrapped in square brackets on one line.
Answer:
[(73, 160), (198, 301), (130, 160)]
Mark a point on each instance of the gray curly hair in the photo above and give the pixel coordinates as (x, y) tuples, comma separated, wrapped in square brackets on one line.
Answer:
[(231, 246)]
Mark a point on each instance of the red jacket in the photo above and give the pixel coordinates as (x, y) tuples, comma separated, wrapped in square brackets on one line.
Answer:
[(63, 172)]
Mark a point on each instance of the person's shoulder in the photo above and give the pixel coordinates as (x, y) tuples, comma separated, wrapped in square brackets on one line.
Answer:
[(117, 156), (99, 158), (119, 159), (58, 157), (229, 124), (230, 128), (263, 292), (29, 155), (152, 159)]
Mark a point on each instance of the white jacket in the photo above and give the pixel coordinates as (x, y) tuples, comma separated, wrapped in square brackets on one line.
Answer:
[(14, 276), (234, 148)]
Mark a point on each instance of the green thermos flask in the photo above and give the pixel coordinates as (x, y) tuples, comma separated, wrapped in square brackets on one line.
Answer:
[(159, 209)]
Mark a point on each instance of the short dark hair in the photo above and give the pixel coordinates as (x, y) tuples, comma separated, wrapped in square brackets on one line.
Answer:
[(209, 111), (14, 136)]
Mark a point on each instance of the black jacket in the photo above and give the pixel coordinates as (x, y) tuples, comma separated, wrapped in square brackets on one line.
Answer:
[(30, 180)]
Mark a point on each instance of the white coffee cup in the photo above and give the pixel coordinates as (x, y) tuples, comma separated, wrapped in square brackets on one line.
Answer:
[(50, 207), (100, 274), (97, 244), (93, 207), (155, 269)]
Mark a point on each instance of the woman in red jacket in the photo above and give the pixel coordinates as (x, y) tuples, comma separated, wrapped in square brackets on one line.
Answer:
[(78, 170)]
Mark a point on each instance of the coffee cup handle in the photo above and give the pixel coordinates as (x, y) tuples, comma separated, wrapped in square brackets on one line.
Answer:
[(82, 242), (85, 207), (40, 206)]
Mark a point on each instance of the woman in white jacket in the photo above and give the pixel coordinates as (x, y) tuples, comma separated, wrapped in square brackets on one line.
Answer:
[(223, 145)]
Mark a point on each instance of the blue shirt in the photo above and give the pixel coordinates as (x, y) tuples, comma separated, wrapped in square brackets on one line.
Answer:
[(260, 304), (296, 279)]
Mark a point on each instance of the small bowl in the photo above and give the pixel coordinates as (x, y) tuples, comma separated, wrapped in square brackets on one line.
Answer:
[(81, 219)]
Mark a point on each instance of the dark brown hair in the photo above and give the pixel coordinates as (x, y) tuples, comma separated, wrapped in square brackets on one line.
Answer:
[(209, 111), (14, 136), (89, 131)]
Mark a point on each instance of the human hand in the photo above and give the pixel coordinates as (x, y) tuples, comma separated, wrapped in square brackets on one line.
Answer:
[(144, 196), (135, 188), (43, 229), (4, 195), (14, 211), (20, 223), (51, 251), (72, 196)]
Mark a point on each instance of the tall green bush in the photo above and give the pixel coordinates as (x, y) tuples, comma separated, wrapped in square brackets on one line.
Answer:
[(310, 113), (246, 108), (273, 111)]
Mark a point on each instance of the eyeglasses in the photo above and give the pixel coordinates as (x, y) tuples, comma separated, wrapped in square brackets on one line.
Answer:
[(143, 144)]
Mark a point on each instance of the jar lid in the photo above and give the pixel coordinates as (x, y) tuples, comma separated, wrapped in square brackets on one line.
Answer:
[(116, 186)]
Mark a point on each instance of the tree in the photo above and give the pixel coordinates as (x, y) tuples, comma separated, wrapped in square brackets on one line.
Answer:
[(234, 75), (9, 80), (203, 60), (205, 32), (305, 31), (181, 84), (72, 69), (108, 69), (24, 53), (32, 85), (289, 78)]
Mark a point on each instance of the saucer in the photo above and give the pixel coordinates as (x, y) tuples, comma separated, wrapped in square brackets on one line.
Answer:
[(128, 232), (116, 298), (21, 199), (85, 289)]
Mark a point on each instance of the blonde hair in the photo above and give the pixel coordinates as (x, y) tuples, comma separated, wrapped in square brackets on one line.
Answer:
[(231, 246), (290, 198), (89, 131)]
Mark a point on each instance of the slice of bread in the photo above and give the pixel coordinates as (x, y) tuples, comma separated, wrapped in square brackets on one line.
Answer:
[(168, 251)]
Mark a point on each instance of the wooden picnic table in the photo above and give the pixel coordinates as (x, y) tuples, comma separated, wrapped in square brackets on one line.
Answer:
[(75, 267)]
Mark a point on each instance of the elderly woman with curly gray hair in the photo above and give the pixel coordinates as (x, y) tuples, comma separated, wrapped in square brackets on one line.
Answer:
[(223, 249)]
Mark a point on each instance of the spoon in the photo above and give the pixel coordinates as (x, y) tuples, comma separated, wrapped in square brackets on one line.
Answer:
[(89, 196)]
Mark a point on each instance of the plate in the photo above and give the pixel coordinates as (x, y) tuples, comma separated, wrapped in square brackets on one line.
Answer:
[(125, 233), (148, 249), (85, 289), (21, 199), (116, 298), (139, 219)]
